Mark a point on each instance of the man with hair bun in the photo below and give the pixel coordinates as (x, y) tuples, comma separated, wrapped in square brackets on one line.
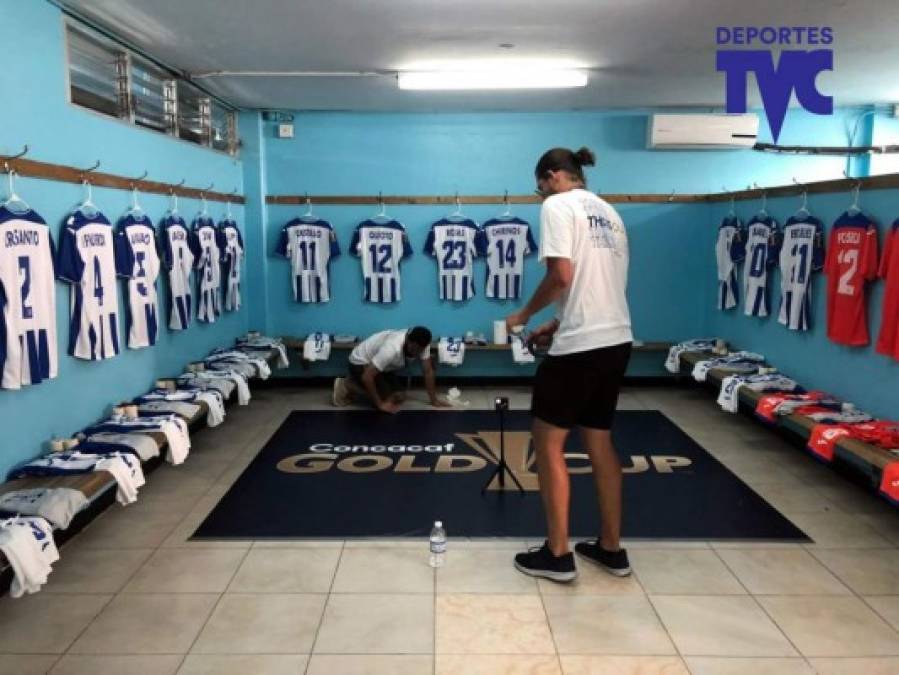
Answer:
[(372, 362), (584, 245)]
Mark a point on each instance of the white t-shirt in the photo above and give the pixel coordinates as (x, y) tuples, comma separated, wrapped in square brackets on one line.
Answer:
[(384, 351), (593, 312)]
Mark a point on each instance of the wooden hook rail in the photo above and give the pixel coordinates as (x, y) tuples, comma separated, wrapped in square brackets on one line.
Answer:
[(449, 200), (71, 174), (884, 182)]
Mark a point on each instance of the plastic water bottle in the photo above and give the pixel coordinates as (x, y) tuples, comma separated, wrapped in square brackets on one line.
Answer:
[(438, 545)]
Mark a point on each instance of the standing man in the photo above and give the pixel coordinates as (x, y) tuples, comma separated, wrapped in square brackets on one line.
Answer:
[(584, 245), (371, 367)]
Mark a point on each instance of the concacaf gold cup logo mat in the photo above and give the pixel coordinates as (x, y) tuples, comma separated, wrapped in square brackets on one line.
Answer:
[(443, 459)]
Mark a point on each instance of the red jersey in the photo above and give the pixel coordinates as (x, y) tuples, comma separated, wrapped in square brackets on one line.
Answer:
[(888, 341), (851, 261)]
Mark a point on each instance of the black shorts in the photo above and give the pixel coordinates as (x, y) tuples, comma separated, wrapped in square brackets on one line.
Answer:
[(386, 384), (581, 389)]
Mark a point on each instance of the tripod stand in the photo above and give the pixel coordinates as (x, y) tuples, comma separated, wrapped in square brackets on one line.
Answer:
[(501, 405)]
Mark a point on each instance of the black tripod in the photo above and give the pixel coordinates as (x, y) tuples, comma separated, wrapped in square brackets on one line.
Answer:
[(501, 405)]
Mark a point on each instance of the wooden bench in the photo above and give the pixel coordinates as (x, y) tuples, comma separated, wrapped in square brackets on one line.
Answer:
[(868, 460)]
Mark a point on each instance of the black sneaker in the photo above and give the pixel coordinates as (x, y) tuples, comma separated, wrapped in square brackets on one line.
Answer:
[(613, 562), (540, 562)]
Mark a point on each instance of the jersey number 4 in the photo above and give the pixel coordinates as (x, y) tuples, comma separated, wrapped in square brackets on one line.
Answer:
[(98, 282)]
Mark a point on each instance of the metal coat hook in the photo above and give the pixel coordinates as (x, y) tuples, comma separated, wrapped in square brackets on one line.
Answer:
[(174, 207), (308, 213), (733, 208), (205, 210), (11, 158), (228, 203), (804, 207), (671, 196), (84, 172), (764, 198)]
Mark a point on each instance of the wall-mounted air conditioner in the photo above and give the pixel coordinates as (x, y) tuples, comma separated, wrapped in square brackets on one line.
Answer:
[(702, 132)]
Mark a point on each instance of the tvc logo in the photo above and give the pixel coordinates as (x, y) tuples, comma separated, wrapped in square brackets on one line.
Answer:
[(796, 71)]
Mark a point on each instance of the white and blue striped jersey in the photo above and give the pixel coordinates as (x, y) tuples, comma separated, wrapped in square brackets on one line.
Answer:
[(231, 245), (87, 260), (454, 243), (505, 242), (801, 254), (209, 272), (762, 240), (136, 234), (27, 300), (729, 251), (309, 244), (381, 246), (178, 258)]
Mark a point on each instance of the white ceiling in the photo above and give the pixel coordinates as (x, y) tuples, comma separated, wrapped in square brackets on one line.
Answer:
[(648, 53)]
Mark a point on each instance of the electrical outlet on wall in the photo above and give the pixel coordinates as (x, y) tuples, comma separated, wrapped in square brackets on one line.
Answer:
[(285, 131)]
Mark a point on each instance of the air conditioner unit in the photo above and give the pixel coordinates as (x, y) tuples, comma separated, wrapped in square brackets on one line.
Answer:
[(702, 132)]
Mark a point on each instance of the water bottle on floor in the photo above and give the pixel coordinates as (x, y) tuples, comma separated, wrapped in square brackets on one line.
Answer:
[(438, 545)]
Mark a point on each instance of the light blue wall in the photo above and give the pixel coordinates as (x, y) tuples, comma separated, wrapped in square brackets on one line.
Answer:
[(35, 111), (856, 374), (410, 154)]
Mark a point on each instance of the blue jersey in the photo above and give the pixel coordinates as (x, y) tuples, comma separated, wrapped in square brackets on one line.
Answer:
[(136, 236), (381, 246), (505, 242), (87, 260), (231, 245), (207, 256), (178, 257), (309, 244), (27, 300), (454, 243)]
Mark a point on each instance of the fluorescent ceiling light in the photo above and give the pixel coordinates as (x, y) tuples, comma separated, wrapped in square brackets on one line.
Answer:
[(493, 78)]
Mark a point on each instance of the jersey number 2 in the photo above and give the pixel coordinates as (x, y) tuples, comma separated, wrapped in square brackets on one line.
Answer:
[(25, 267), (848, 257)]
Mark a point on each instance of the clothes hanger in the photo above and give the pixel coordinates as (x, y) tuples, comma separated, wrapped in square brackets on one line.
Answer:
[(507, 213), (308, 215), (803, 211), (854, 209), (382, 211), (762, 211), (14, 202), (87, 206), (457, 214), (733, 211), (204, 210), (135, 208), (228, 217), (173, 200)]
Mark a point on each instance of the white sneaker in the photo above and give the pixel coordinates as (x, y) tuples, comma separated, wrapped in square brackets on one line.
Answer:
[(341, 395)]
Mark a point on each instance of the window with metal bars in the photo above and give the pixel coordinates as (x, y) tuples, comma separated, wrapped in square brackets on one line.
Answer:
[(108, 78)]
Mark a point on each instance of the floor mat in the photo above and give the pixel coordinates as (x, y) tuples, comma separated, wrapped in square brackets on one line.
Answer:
[(348, 474)]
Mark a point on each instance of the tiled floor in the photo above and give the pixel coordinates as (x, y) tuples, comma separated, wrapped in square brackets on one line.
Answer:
[(132, 595)]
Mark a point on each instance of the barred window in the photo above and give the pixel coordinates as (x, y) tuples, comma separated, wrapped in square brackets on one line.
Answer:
[(108, 78)]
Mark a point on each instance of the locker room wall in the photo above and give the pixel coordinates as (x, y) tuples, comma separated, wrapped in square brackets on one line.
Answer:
[(857, 374), (35, 111), (348, 153)]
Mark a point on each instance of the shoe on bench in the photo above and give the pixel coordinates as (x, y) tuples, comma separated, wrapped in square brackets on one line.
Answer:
[(613, 562), (540, 562)]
